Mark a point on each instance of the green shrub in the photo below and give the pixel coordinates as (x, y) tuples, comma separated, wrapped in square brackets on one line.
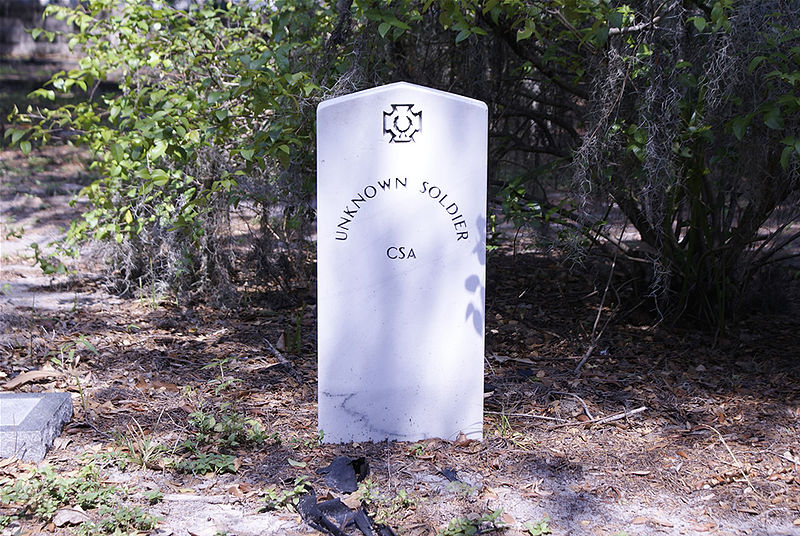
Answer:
[(213, 113)]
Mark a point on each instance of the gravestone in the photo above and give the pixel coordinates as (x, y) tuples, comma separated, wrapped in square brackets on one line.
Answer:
[(29, 422), (401, 255)]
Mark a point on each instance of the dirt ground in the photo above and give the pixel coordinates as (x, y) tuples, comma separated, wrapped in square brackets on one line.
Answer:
[(665, 431)]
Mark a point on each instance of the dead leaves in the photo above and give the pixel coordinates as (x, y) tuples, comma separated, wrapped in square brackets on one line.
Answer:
[(70, 516), (45, 373)]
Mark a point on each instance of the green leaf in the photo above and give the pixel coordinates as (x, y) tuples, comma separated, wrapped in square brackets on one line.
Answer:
[(754, 63), (716, 12), (25, 147), (700, 23), (157, 150), (739, 127), (16, 134), (615, 19), (785, 155), (216, 96), (462, 35), (117, 152), (383, 28), (247, 154), (773, 118), (526, 32), (159, 177), (599, 35)]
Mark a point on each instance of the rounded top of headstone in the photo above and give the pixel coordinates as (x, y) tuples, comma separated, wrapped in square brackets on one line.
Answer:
[(401, 88)]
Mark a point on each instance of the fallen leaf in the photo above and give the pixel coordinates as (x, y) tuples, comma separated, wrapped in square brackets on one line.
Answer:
[(29, 376), (751, 511), (69, 516), (295, 463), (640, 473), (583, 418), (156, 384), (682, 454), (353, 501), (639, 520), (703, 527), (507, 519), (489, 493)]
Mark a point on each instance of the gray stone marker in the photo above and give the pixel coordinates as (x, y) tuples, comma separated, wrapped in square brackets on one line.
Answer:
[(30, 422), (401, 243)]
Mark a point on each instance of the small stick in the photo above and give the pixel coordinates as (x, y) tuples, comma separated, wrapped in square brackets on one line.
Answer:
[(605, 420), (525, 416), (618, 416), (283, 360), (585, 408), (788, 459)]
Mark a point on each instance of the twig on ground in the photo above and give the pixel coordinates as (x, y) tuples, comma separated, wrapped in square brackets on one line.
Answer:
[(283, 360), (618, 416), (606, 420), (585, 407), (788, 459), (525, 416)]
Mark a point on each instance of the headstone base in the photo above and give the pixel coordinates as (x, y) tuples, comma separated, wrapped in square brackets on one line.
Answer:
[(30, 422)]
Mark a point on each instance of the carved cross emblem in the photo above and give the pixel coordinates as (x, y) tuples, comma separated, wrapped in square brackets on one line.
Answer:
[(401, 123)]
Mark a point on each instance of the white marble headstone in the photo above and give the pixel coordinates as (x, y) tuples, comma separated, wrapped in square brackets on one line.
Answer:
[(401, 234)]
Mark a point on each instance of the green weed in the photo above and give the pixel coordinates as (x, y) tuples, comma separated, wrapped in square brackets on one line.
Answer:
[(203, 463), (50, 265), (222, 382), (227, 430), (214, 437), (153, 496), (466, 526), (388, 510), (539, 529), (276, 500), (299, 443), (140, 448), (15, 233), (118, 521), (39, 494), (68, 360)]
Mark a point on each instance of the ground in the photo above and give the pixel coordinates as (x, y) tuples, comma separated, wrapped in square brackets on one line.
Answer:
[(664, 430)]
